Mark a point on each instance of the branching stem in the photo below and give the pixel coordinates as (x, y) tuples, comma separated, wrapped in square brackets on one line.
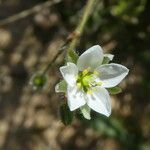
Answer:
[(73, 38), (28, 12)]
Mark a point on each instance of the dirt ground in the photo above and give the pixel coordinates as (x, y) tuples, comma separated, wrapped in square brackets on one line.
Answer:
[(29, 120)]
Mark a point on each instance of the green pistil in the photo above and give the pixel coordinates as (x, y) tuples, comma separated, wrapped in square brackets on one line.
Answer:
[(84, 80)]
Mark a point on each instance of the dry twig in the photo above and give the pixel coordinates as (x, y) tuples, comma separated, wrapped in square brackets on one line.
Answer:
[(28, 12)]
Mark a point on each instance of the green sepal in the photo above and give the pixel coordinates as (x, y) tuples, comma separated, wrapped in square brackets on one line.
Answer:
[(106, 60), (61, 86), (85, 110), (65, 114), (114, 90), (72, 56)]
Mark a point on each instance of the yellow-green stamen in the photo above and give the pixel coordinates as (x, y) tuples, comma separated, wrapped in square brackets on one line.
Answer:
[(86, 81)]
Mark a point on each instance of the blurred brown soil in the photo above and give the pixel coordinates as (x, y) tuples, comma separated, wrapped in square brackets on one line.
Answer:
[(29, 119)]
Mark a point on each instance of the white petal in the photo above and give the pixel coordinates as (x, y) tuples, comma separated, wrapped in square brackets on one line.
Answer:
[(76, 98), (69, 73), (110, 56), (92, 58), (99, 101), (111, 74)]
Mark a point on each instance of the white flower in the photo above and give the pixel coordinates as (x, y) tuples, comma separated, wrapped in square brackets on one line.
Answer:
[(87, 81)]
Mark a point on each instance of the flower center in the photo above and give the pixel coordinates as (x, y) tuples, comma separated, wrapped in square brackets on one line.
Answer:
[(86, 80)]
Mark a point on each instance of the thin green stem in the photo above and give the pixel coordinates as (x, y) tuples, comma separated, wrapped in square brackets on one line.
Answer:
[(81, 26), (60, 51), (51, 63)]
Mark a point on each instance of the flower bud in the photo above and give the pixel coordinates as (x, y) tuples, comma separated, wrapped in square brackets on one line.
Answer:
[(38, 81)]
